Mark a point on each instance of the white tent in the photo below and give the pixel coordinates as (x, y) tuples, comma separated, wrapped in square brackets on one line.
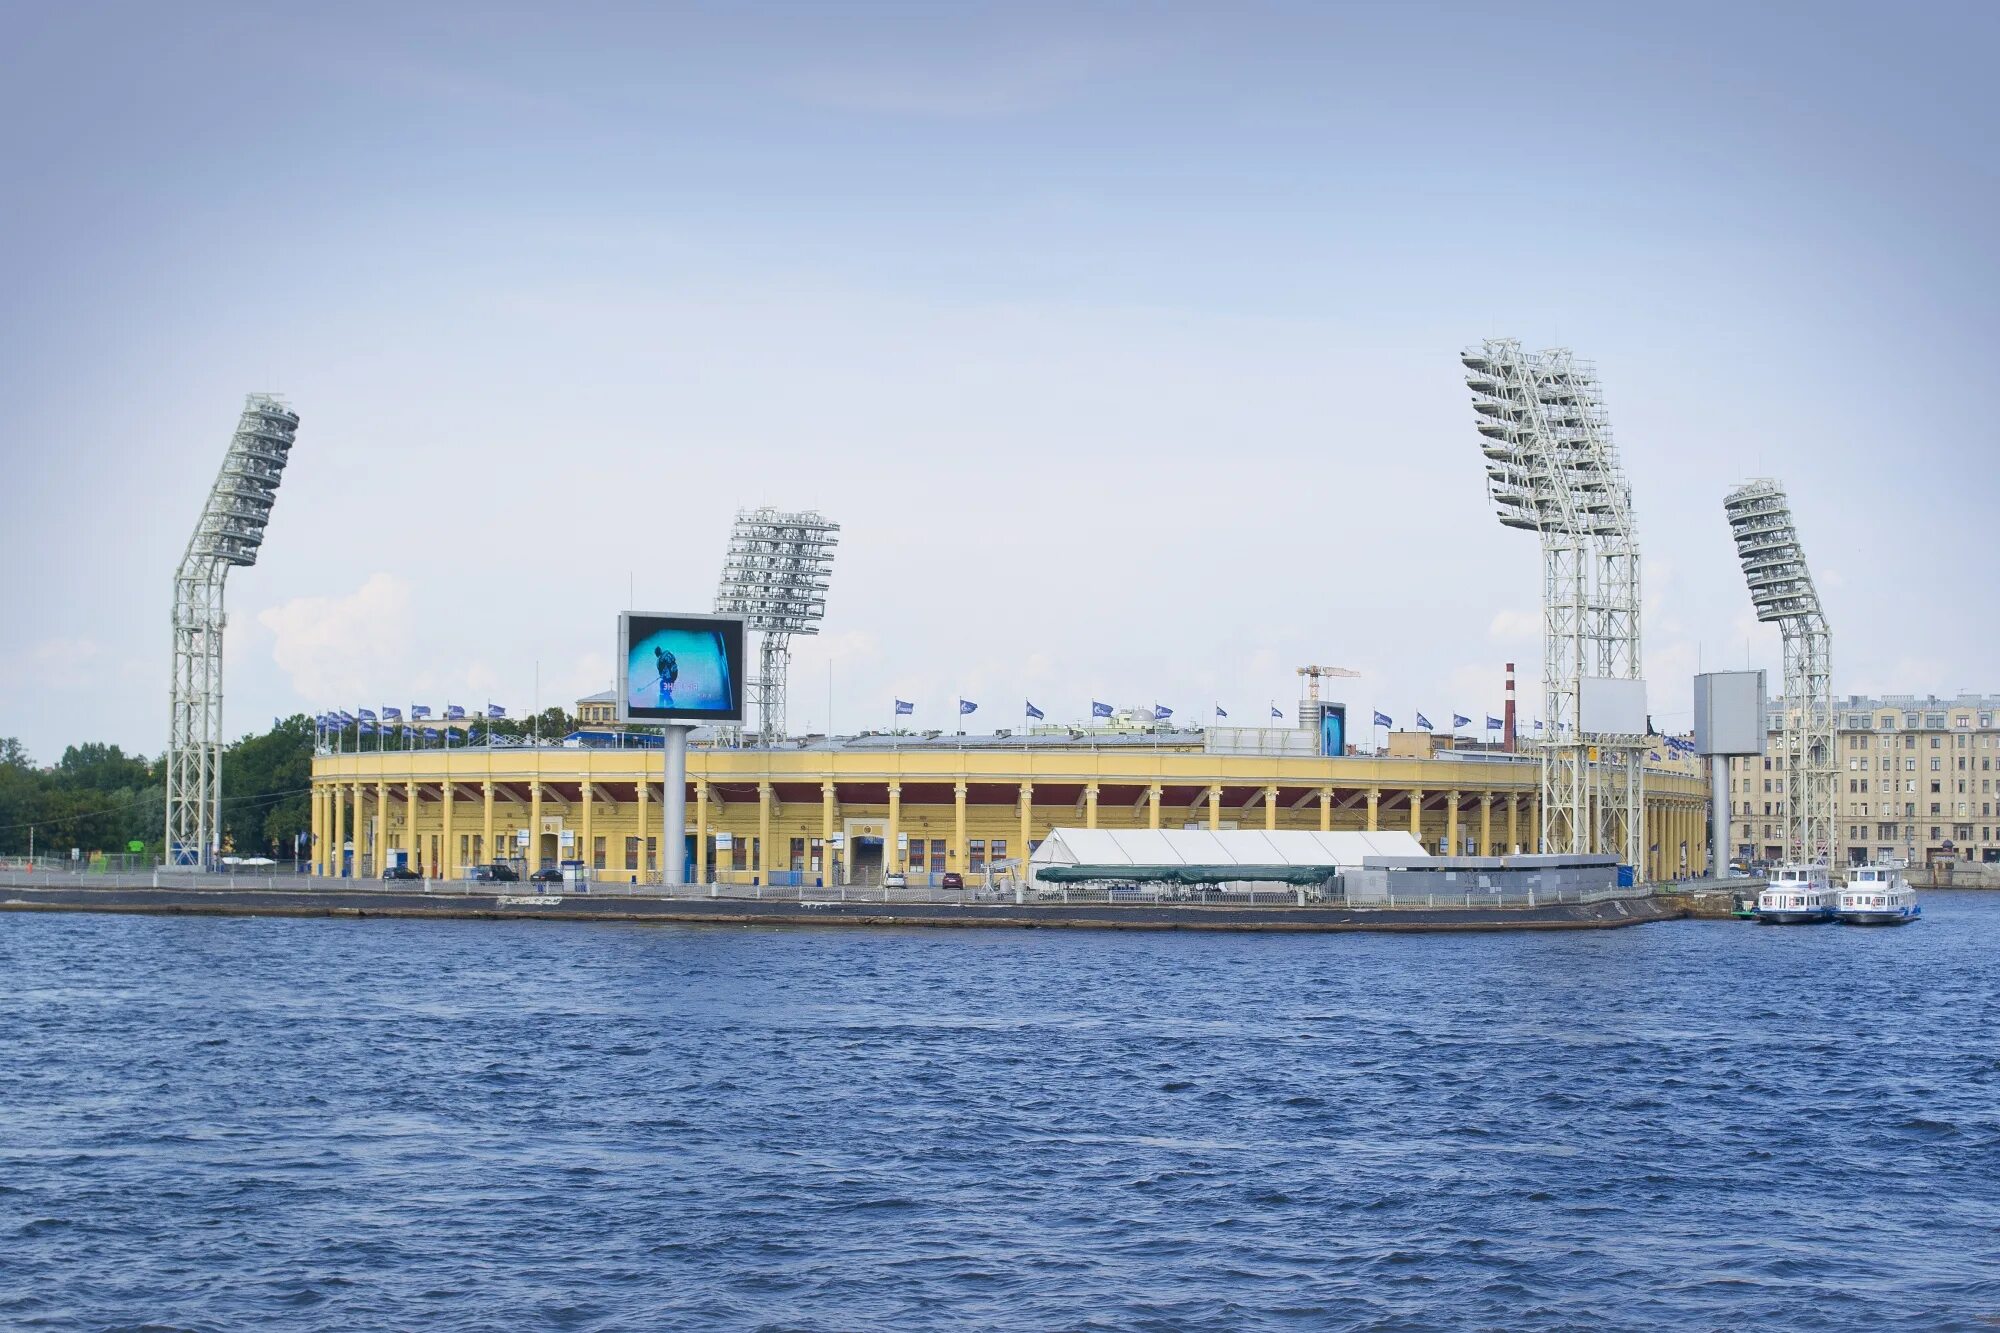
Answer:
[(1336, 852)]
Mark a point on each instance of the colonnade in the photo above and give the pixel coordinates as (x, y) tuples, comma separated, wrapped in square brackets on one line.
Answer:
[(375, 819)]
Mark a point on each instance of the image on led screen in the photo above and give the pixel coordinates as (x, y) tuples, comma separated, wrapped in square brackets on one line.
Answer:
[(683, 668)]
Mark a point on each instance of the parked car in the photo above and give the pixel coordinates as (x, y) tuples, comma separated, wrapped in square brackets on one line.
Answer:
[(893, 880), (400, 872), (951, 880), (493, 874), (546, 875)]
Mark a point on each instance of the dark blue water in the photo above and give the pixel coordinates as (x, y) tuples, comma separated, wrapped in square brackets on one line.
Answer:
[(210, 1123)]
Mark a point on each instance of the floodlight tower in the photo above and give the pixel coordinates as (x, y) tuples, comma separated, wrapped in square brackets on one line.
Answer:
[(1553, 470), (1781, 588), (776, 576), (229, 534)]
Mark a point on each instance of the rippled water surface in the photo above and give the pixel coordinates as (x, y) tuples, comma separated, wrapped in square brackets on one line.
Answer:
[(215, 1123)]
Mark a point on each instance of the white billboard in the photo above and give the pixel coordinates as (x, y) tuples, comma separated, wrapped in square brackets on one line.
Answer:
[(1729, 712), (1611, 706)]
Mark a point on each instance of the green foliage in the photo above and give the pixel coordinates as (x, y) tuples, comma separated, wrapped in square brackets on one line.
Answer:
[(98, 798)]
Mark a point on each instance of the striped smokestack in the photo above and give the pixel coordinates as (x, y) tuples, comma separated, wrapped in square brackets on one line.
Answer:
[(1507, 738)]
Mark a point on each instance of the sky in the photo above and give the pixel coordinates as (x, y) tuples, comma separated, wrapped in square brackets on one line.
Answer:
[(1121, 340)]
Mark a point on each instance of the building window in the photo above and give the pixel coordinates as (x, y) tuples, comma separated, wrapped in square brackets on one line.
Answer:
[(975, 856), (798, 850), (597, 854), (631, 853), (937, 856), (999, 850)]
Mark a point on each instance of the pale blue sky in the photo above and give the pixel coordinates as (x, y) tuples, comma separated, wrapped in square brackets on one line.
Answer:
[(1122, 340)]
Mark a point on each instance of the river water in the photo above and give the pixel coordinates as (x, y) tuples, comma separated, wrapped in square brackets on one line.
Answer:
[(322, 1124)]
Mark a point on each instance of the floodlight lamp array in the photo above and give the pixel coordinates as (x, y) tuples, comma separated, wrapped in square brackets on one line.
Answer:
[(232, 524), (1543, 430), (1767, 546), (778, 569)]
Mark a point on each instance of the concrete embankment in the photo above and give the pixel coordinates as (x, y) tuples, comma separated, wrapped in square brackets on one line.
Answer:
[(72, 896)]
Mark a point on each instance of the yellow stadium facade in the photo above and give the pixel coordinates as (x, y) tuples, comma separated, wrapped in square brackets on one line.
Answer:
[(850, 812)]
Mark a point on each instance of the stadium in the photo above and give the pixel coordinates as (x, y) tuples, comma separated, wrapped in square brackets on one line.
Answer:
[(851, 810)]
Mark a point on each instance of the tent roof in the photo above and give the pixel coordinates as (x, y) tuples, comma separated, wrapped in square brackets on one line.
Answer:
[(1202, 847)]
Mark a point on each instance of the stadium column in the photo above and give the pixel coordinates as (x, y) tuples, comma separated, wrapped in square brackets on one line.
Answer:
[(639, 790), (1090, 805), (764, 832), (535, 823), (1028, 806), (381, 827), (486, 849), (1486, 823), (415, 846), (1451, 841), (447, 857), (1417, 814), (1214, 807), (341, 833), (958, 827), (1513, 822), (893, 856), (1270, 809), (1374, 809), (318, 826), (826, 831), (1152, 809), (701, 831), (587, 794), (1326, 809), (1535, 825)]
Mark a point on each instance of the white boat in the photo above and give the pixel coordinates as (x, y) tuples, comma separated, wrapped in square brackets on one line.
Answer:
[(1796, 895), (1877, 895)]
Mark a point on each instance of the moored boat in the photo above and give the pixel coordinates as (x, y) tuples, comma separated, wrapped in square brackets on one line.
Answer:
[(1877, 895), (1796, 895)]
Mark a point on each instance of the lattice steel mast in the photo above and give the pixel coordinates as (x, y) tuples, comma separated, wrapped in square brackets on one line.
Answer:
[(229, 534), (776, 576), (1781, 588), (1552, 469)]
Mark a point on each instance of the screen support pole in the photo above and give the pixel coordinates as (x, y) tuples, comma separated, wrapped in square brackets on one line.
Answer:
[(673, 808), (1718, 816)]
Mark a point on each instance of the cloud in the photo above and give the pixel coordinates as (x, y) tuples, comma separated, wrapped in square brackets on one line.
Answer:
[(345, 647), (1515, 627), (60, 664)]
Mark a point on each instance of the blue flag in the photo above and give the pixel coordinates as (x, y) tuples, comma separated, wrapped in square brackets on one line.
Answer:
[(1099, 710), (1277, 712), (419, 711), (904, 707), (495, 711), (1424, 722), (391, 714), (409, 733), (366, 729), (366, 715), (430, 733), (1460, 720), (1538, 724), (1384, 720), (1161, 714), (1033, 711), (1219, 711), (1493, 723), (454, 713), (967, 706)]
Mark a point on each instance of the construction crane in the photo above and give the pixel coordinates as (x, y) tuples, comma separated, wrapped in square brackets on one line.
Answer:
[(1314, 674)]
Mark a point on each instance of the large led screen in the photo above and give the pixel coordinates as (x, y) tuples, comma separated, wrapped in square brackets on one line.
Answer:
[(680, 668)]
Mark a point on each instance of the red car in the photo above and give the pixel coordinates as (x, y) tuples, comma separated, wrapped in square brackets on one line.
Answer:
[(951, 880)]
